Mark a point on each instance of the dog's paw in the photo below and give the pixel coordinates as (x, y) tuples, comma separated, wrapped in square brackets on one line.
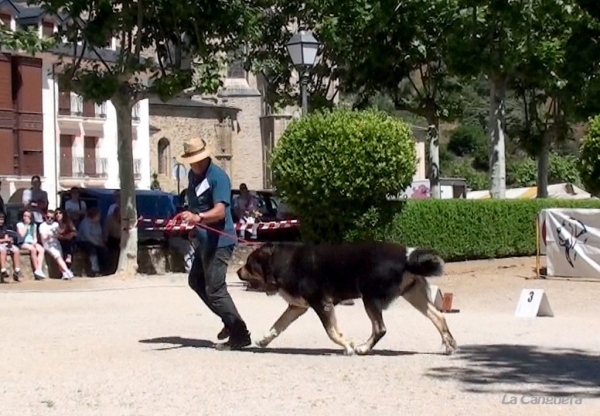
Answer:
[(362, 349), (349, 349), (450, 346), (262, 343)]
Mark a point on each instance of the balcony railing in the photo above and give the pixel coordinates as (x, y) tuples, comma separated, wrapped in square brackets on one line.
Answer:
[(83, 167), (100, 110), (76, 106), (137, 168), (73, 105)]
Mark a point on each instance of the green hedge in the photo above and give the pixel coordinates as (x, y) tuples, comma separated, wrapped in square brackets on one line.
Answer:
[(461, 229)]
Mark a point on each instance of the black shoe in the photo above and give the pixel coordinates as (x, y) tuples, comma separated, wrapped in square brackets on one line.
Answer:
[(235, 343), (224, 334), (17, 275)]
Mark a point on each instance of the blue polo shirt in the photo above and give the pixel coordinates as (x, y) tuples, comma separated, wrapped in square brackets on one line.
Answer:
[(203, 193)]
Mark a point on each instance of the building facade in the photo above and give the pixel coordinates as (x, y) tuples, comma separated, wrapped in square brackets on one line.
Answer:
[(231, 127), (55, 134), (240, 129)]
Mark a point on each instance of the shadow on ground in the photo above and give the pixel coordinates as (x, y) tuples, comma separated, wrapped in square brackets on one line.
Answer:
[(178, 342), (557, 372)]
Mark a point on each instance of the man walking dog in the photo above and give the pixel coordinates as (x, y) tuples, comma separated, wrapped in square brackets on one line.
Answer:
[(209, 199)]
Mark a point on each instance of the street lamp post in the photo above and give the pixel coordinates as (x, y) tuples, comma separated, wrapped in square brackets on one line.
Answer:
[(303, 48)]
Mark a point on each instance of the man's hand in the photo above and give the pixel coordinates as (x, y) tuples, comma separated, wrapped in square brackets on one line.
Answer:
[(188, 216)]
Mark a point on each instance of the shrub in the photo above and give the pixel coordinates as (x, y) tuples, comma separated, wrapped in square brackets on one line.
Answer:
[(562, 168), (476, 180), (466, 139), (589, 164), (336, 167), (462, 229)]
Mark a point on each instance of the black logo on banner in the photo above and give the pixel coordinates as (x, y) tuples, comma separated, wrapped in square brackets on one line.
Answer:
[(574, 229)]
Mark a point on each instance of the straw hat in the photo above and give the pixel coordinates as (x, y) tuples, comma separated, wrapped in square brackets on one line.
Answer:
[(194, 150)]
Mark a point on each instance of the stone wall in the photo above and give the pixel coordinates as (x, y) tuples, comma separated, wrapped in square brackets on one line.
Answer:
[(247, 150), (178, 123), (232, 129)]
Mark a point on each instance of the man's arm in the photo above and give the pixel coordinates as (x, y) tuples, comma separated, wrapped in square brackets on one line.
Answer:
[(43, 204), (212, 215), (43, 236), (26, 198)]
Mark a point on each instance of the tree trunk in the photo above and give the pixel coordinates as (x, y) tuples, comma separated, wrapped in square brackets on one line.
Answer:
[(543, 163), (129, 239), (496, 137), (543, 157), (433, 140)]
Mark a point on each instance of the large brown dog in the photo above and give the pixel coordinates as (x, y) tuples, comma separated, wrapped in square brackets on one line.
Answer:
[(321, 276)]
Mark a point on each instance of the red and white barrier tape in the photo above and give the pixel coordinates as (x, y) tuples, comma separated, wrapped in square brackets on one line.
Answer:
[(178, 225)]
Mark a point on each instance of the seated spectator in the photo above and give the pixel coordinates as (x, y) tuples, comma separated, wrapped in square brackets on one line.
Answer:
[(112, 237), (49, 231), (75, 208), (27, 230), (245, 203), (91, 240), (67, 232), (7, 246)]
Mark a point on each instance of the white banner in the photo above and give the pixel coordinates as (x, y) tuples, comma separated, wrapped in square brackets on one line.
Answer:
[(570, 239)]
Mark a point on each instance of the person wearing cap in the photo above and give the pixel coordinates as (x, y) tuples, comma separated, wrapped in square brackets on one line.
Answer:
[(209, 198)]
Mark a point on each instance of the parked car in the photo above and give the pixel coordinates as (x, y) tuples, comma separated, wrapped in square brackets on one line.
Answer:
[(268, 205), (151, 204)]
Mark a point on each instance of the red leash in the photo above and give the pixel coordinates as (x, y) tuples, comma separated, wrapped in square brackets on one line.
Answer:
[(176, 221)]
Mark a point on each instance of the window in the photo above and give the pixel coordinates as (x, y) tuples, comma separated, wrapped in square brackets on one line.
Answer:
[(6, 19), (89, 155), (47, 29), (164, 156)]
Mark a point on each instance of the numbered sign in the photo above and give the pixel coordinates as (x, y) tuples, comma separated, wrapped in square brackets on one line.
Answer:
[(533, 303), (436, 297)]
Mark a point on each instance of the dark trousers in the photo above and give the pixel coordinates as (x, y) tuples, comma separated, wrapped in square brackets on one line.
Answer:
[(67, 247), (207, 279), (114, 249), (100, 252)]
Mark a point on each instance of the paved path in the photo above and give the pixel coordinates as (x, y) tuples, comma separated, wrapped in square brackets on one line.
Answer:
[(143, 348)]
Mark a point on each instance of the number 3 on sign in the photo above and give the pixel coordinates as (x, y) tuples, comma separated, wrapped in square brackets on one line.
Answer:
[(532, 303)]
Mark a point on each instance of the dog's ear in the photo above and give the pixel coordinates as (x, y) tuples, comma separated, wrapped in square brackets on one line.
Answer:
[(265, 259)]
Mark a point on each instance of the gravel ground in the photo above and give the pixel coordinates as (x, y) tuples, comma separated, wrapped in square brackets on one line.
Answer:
[(143, 347)]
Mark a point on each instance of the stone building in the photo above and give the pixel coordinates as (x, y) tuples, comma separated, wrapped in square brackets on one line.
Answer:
[(237, 125)]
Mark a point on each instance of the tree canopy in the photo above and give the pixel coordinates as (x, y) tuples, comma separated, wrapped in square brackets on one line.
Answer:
[(163, 49)]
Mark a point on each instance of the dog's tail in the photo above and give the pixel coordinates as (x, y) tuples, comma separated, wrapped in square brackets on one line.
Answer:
[(423, 262)]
